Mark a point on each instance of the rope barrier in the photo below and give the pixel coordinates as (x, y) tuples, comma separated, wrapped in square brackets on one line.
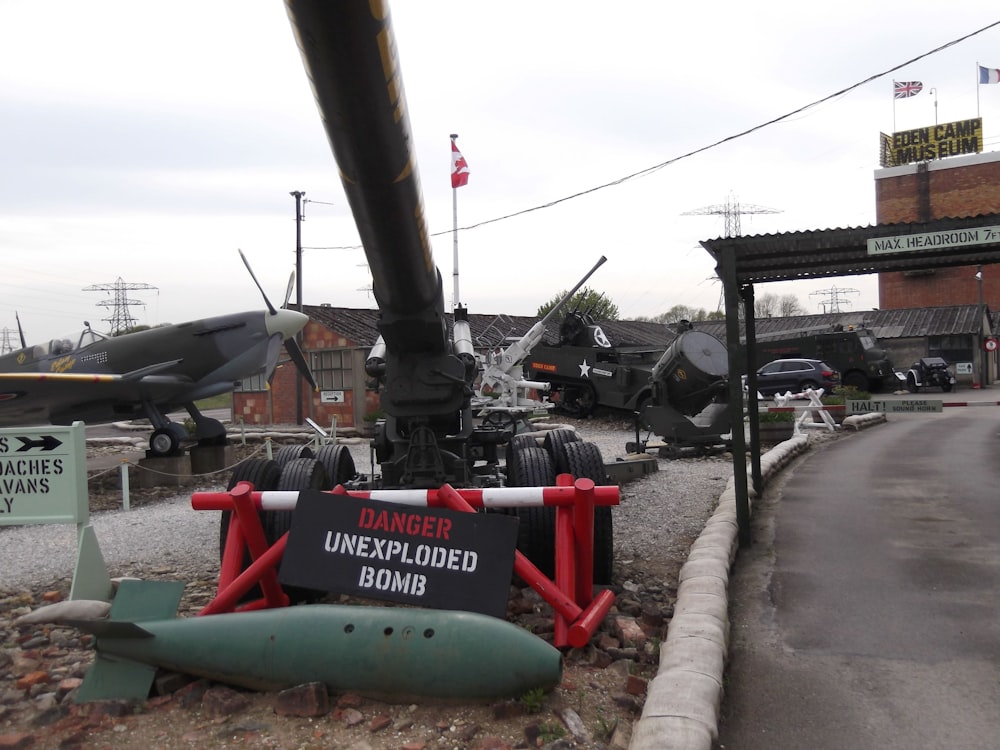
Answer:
[(126, 463)]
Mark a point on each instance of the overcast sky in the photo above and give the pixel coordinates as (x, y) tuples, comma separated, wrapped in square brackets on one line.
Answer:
[(147, 141)]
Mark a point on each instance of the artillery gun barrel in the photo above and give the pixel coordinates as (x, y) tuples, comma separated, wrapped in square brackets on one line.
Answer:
[(569, 295), (350, 55)]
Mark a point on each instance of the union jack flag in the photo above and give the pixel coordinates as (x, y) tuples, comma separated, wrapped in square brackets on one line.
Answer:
[(906, 89)]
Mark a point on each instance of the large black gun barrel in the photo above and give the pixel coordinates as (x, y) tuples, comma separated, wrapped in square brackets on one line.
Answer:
[(350, 56)]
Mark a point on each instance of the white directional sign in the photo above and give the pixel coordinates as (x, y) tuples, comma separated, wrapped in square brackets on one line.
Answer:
[(902, 406), (43, 475), (908, 243)]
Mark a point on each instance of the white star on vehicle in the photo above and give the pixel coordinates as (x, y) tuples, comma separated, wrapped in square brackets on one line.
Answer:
[(584, 370)]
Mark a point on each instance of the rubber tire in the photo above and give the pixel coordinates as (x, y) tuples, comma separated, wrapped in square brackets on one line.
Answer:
[(287, 453), (536, 531), (586, 462), (263, 474), (296, 475), (587, 402), (806, 384), (338, 462), (260, 472), (911, 383), (555, 442), (163, 442), (515, 444), (857, 380)]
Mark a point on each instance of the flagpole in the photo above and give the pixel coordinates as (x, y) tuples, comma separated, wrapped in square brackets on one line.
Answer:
[(454, 233), (894, 105), (977, 89)]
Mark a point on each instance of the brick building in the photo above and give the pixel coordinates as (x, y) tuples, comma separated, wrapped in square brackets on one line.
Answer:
[(961, 186), (957, 187)]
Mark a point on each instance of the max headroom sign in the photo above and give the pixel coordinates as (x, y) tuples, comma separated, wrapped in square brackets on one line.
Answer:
[(430, 557)]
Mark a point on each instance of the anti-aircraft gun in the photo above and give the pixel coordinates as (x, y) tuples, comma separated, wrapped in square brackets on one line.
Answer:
[(502, 396), (430, 435)]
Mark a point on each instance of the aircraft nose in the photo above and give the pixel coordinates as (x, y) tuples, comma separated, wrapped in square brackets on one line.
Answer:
[(285, 322)]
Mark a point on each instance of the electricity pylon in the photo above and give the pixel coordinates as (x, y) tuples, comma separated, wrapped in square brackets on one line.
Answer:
[(731, 211), (121, 318), (834, 297)]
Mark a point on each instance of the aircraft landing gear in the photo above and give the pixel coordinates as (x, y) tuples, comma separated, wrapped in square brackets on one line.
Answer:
[(166, 441), (208, 431)]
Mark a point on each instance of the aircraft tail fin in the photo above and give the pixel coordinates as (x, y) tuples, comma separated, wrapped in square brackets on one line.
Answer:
[(115, 677)]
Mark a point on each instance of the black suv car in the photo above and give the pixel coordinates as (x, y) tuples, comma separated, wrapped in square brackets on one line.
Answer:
[(796, 375)]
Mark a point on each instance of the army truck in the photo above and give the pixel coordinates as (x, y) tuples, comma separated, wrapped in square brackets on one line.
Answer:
[(853, 350)]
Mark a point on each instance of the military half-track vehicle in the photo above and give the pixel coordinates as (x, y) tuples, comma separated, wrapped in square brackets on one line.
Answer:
[(585, 370)]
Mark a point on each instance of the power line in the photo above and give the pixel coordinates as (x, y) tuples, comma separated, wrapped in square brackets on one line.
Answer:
[(754, 129), (674, 160)]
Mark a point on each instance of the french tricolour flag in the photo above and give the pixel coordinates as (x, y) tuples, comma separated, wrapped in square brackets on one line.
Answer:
[(989, 75)]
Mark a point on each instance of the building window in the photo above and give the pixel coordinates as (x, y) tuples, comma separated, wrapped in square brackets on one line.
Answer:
[(254, 383), (332, 370)]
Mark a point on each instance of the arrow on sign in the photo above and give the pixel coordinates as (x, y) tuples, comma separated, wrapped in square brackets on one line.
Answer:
[(46, 443)]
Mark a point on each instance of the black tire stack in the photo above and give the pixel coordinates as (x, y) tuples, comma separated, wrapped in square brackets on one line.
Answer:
[(562, 453)]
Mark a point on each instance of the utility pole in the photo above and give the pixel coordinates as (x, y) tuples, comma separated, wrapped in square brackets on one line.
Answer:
[(983, 364), (298, 195), (121, 317)]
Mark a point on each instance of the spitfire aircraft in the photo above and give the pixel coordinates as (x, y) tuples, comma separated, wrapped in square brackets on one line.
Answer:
[(150, 373)]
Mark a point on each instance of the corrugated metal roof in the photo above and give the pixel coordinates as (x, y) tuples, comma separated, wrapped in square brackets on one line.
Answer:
[(489, 330), (885, 324), (844, 252)]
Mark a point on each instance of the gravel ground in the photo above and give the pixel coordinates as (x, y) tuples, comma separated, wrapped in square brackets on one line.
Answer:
[(659, 516), (603, 685)]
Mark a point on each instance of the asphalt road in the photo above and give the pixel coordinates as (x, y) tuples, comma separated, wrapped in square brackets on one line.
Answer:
[(865, 614)]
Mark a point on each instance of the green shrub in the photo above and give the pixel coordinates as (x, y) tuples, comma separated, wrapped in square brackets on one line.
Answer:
[(844, 394), (772, 417)]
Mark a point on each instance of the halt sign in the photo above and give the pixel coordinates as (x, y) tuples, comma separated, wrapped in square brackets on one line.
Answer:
[(43, 475), (903, 406)]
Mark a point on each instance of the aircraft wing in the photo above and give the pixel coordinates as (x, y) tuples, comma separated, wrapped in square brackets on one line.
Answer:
[(46, 396)]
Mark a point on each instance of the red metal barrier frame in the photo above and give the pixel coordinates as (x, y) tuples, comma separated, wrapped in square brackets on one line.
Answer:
[(577, 612)]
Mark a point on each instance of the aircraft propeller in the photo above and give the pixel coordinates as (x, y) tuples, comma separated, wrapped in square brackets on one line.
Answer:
[(24, 344), (291, 345)]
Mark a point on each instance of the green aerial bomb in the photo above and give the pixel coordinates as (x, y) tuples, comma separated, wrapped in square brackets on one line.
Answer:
[(394, 653)]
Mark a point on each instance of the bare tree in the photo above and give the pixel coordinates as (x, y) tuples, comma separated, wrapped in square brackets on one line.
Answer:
[(771, 305)]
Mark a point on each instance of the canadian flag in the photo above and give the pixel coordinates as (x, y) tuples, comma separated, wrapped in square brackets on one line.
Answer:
[(459, 167)]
